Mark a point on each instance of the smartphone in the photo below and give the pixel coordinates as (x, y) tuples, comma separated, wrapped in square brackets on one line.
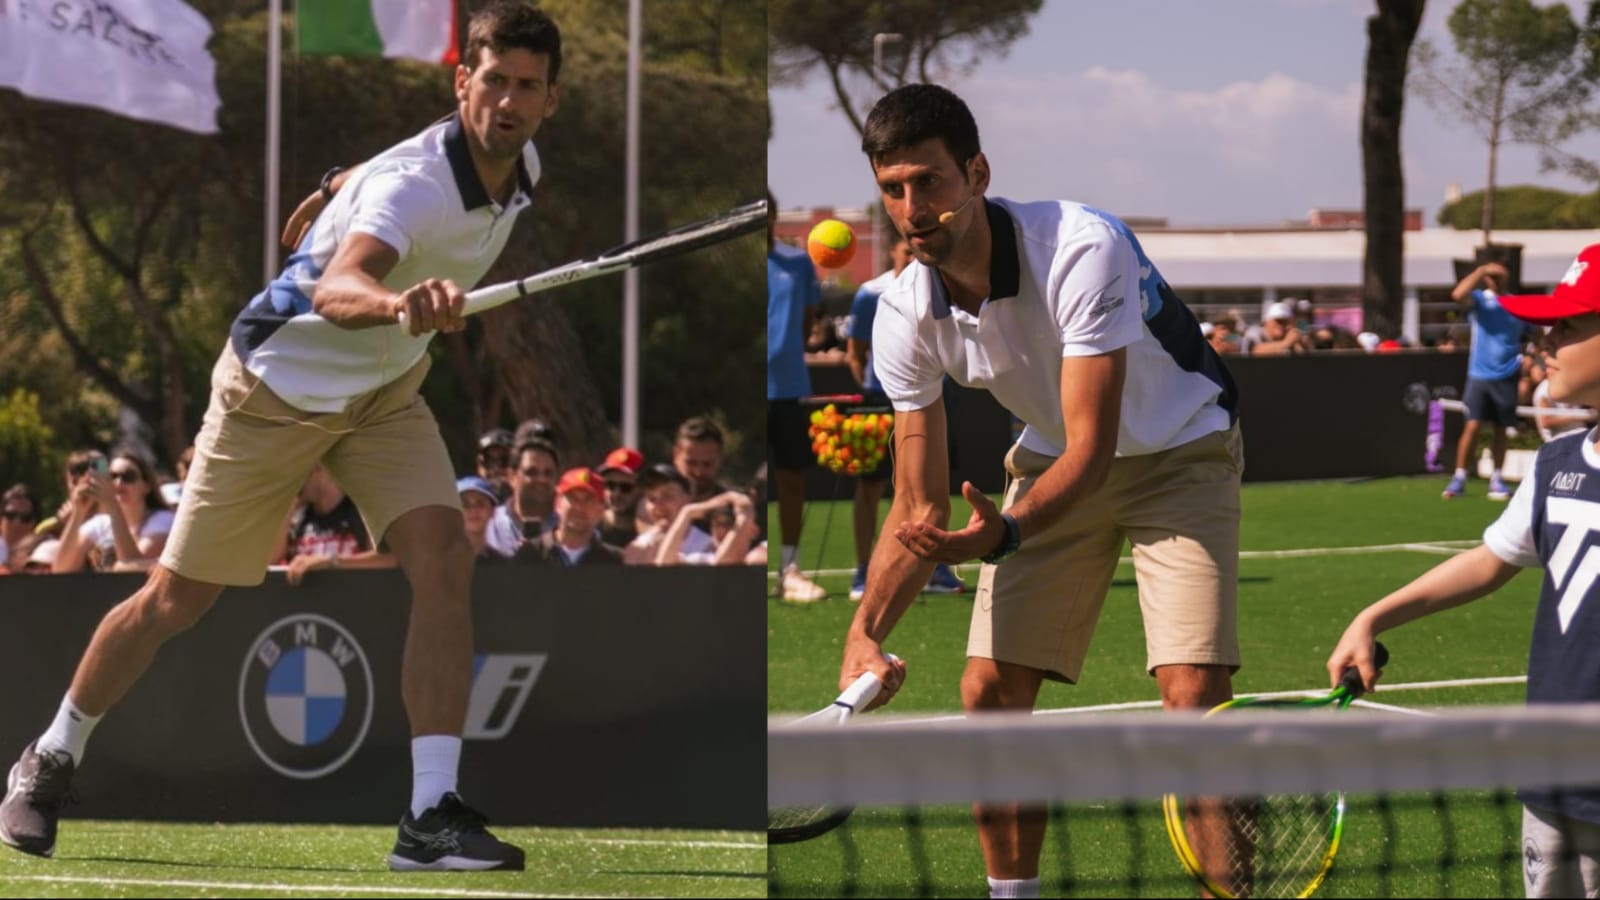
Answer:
[(101, 464)]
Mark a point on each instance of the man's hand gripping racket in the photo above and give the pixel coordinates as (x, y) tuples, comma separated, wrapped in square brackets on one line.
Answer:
[(789, 824)]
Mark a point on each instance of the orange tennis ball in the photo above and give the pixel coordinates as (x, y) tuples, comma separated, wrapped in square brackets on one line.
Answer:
[(831, 244)]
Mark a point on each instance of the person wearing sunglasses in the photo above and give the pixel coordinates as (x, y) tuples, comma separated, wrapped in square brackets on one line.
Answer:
[(620, 525), (117, 520), (19, 512)]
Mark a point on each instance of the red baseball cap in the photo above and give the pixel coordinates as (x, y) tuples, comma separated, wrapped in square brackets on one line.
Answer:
[(582, 479), (1577, 294), (625, 459)]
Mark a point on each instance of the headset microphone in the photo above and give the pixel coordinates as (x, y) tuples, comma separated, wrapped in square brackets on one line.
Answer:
[(945, 217)]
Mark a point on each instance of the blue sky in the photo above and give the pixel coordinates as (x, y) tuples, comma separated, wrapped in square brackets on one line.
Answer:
[(1208, 113)]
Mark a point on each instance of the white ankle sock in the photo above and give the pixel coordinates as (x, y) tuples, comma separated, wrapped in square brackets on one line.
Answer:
[(1461, 473), (434, 761), (69, 732), (790, 551), (1014, 887)]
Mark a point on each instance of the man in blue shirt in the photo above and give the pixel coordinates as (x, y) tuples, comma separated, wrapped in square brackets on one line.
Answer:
[(793, 297), (1492, 371)]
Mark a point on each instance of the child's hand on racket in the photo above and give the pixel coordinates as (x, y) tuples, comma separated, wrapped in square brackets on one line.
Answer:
[(982, 534), (862, 654), (1356, 649)]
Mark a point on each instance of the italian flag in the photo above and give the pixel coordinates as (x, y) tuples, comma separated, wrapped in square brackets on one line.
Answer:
[(413, 29)]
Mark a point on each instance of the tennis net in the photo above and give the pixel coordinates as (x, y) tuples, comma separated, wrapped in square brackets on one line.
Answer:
[(1430, 800)]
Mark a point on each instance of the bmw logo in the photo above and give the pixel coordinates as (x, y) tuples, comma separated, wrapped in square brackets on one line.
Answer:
[(305, 696)]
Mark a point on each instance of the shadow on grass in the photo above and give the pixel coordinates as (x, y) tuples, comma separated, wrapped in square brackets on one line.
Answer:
[(191, 864)]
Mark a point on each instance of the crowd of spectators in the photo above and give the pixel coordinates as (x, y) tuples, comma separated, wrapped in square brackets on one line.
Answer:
[(519, 505)]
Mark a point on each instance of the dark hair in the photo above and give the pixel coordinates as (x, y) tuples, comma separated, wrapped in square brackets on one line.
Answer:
[(539, 444), (915, 113), (507, 24), (20, 491), (700, 428)]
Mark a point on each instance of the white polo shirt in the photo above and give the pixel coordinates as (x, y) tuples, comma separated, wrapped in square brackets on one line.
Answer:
[(1065, 280), (422, 197)]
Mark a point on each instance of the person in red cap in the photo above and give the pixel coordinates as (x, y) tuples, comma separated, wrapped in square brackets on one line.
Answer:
[(1550, 523), (580, 505), (621, 473)]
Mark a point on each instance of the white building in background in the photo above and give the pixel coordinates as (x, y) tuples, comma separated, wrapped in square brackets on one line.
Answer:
[(1218, 272)]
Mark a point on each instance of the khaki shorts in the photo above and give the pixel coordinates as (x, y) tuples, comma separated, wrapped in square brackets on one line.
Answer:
[(254, 452), (1180, 510)]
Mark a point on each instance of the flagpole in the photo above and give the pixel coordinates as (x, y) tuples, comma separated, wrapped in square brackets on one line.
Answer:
[(630, 226), (269, 241)]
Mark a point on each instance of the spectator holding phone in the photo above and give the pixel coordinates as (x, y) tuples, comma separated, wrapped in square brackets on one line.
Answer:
[(116, 519), (531, 511)]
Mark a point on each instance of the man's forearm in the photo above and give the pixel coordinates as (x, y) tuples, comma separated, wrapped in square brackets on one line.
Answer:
[(350, 301), (895, 575), (1077, 474)]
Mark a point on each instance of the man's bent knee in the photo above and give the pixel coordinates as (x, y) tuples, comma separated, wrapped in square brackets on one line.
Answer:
[(989, 684), (170, 603), (1194, 687)]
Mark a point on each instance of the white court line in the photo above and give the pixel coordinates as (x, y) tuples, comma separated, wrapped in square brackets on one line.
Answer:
[(287, 888), (1445, 548), (1156, 704), (713, 845)]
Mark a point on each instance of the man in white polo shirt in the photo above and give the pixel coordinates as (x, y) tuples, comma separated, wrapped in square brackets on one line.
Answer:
[(324, 366), (1131, 434)]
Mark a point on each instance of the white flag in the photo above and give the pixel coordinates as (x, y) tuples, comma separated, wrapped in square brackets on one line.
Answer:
[(145, 59)]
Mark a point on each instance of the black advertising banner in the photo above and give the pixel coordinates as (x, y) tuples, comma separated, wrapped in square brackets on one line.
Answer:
[(600, 697)]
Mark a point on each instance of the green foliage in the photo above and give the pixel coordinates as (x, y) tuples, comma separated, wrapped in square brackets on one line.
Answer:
[(27, 452), (1522, 76), (938, 39), (1525, 207)]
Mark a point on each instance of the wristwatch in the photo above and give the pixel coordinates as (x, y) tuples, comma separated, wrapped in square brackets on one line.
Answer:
[(1008, 544), (326, 187)]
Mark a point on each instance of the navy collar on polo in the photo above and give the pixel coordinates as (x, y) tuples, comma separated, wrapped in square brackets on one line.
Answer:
[(1005, 267), (473, 194)]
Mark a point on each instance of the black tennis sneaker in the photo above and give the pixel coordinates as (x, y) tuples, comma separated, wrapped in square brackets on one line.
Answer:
[(451, 837), (35, 790)]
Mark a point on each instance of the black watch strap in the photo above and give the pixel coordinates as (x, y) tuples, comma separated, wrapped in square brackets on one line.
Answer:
[(326, 187), (1008, 544)]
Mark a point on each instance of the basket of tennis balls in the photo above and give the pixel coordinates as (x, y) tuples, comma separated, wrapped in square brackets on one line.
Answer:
[(850, 443)]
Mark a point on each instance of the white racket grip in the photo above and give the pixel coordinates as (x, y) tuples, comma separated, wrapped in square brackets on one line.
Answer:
[(863, 689)]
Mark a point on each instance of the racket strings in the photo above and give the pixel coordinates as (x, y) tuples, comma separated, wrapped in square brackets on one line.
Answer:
[(1280, 842)]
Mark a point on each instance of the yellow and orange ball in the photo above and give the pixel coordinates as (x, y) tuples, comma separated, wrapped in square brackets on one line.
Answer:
[(831, 244)]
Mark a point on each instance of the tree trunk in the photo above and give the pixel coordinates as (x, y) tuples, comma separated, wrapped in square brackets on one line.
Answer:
[(536, 357), (1390, 35)]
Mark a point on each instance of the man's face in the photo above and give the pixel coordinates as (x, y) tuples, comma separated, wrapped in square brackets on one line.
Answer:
[(505, 98), (621, 488), (494, 463), (476, 510), (17, 518), (699, 461), (900, 255), (580, 511), (535, 480), (920, 182), (664, 501)]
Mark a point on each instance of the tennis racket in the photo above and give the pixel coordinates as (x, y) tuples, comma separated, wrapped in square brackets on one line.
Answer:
[(685, 238), (790, 824), (1275, 845)]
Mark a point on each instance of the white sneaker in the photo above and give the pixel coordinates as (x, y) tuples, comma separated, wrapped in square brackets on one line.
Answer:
[(797, 588)]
